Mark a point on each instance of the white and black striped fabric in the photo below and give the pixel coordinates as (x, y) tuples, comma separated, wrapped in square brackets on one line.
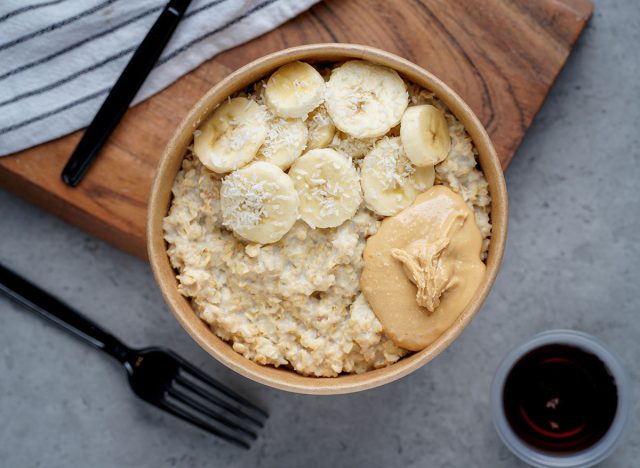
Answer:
[(59, 58)]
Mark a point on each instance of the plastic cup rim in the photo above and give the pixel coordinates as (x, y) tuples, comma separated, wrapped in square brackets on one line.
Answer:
[(584, 458)]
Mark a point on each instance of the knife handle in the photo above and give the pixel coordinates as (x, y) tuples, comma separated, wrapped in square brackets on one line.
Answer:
[(123, 92)]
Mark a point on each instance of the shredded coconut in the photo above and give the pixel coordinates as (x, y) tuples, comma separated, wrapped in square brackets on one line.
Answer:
[(244, 199), (286, 140), (353, 147)]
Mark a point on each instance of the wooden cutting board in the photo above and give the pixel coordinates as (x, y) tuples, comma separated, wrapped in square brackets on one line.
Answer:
[(501, 56)]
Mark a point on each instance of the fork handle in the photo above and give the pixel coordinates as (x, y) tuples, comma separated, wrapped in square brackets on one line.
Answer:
[(35, 299)]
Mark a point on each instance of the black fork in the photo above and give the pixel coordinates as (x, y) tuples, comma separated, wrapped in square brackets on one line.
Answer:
[(156, 375)]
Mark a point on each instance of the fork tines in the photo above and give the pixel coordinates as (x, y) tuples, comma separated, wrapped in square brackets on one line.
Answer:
[(206, 403)]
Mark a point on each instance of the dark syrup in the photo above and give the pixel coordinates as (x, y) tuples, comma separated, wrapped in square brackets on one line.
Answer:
[(560, 398)]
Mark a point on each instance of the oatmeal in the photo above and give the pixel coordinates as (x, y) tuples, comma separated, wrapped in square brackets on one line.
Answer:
[(296, 302), (281, 286)]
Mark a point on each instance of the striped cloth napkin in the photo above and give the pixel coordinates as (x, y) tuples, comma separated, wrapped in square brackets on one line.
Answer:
[(59, 58)]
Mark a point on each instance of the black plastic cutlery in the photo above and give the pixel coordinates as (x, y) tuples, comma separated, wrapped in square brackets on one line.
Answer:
[(123, 92), (156, 375)]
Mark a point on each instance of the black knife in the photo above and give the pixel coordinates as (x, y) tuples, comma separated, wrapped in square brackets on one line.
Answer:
[(123, 92)]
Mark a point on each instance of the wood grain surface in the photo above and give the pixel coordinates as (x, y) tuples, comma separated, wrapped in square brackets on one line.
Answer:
[(501, 56)]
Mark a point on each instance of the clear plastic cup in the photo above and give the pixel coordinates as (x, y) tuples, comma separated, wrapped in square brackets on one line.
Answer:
[(584, 458)]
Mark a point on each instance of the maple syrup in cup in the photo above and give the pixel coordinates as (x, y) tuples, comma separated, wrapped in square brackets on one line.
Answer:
[(560, 400)]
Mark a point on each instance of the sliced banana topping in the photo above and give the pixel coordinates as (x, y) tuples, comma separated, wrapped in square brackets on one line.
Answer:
[(327, 184), (321, 129), (389, 181), (294, 90), (230, 138), (425, 135), (259, 202), (286, 140), (356, 148), (365, 100)]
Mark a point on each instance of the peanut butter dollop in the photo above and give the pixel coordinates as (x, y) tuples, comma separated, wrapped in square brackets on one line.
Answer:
[(422, 267)]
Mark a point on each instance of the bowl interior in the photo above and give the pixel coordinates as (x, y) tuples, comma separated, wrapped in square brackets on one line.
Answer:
[(170, 164)]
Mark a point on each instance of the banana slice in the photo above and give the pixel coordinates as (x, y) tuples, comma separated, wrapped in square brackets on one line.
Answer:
[(259, 202), (389, 181), (230, 138), (286, 140), (365, 100), (294, 90), (327, 184), (321, 129), (356, 148), (425, 135)]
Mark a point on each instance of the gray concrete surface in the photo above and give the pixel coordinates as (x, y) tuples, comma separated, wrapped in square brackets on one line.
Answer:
[(573, 260)]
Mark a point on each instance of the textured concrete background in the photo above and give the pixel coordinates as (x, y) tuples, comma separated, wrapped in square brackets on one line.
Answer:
[(573, 261)]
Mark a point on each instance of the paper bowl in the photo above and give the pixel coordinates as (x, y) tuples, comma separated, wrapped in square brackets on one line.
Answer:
[(170, 164)]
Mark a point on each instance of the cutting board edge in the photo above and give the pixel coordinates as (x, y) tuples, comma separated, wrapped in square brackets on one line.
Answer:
[(71, 214), (584, 23)]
